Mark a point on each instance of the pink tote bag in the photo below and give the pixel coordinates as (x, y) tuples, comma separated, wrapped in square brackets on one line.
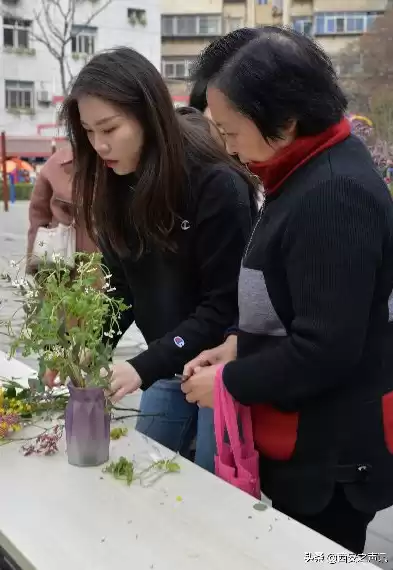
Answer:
[(236, 462)]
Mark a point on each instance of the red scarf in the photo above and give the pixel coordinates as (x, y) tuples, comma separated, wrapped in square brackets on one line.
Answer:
[(275, 171)]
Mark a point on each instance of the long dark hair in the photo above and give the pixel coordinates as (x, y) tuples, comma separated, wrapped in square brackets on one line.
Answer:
[(197, 119), (127, 80)]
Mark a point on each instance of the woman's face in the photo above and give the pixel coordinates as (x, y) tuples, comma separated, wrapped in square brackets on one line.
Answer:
[(242, 136), (116, 137)]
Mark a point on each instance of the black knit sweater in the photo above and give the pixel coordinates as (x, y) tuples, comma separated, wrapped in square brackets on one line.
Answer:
[(183, 302), (316, 326)]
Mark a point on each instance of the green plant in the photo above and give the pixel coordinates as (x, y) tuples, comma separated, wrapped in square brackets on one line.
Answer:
[(125, 470), (142, 19), (20, 111), (121, 469), (24, 51), (20, 405), (67, 316), (117, 433), (14, 111), (137, 17), (23, 190)]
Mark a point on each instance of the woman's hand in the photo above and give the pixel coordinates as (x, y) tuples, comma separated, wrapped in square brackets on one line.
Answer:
[(124, 380), (222, 354), (51, 378), (199, 388)]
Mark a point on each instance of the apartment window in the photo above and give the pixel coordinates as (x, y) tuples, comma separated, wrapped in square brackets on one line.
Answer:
[(232, 24), (16, 33), (19, 94), (205, 25), (209, 25), (83, 40), (303, 25), (176, 68), (344, 22)]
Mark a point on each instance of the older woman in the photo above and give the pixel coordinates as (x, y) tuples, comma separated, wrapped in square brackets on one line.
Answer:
[(314, 349)]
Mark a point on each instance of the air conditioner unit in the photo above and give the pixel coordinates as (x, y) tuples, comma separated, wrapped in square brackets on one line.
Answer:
[(43, 97)]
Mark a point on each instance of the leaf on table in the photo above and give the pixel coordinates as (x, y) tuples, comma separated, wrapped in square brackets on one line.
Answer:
[(121, 469), (260, 507), (117, 433)]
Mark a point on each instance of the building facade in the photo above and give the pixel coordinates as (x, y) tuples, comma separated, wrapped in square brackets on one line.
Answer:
[(188, 27), (335, 23), (31, 87)]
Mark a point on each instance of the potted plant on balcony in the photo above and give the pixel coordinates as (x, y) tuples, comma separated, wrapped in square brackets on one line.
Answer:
[(67, 316)]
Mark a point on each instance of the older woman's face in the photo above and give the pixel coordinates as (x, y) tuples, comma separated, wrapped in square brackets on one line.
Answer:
[(241, 134)]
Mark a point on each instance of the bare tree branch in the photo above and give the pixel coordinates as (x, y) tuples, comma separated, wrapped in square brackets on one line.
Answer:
[(58, 5), (43, 36), (46, 6), (98, 11), (69, 71), (366, 67), (91, 18), (69, 21), (56, 30)]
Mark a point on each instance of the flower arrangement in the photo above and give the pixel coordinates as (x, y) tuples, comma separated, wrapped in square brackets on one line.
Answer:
[(21, 406), (67, 316), (11, 412)]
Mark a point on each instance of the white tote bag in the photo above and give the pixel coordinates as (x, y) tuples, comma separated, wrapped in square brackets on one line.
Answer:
[(59, 242)]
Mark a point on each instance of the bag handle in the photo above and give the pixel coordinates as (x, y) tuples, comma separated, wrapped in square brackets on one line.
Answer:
[(230, 413), (242, 415), (219, 421)]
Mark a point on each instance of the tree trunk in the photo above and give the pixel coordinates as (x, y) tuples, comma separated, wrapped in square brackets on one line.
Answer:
[(64, 85)]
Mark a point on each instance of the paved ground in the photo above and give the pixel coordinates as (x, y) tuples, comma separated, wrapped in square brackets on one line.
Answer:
[(13, 228)]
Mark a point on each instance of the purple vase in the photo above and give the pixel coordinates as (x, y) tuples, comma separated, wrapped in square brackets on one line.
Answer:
[(87, 426)]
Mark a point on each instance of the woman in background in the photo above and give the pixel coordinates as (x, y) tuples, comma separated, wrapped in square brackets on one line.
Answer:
[(51, 203)]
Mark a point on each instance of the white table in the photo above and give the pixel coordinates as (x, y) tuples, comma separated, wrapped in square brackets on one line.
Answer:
[(57, 517), (16, 369)]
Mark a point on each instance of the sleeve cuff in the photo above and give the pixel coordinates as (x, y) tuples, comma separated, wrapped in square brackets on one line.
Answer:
[(230, 378), (149, 369), (231, 331)]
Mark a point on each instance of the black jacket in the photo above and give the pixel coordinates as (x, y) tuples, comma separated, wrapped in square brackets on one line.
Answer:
[(183, 302), (315, 345)]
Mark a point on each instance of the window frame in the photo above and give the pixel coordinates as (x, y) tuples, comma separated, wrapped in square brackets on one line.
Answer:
[(303, 21), (80, 34), (18, 25), (197, 19), (20, 88), (328, 23), (187, 62)]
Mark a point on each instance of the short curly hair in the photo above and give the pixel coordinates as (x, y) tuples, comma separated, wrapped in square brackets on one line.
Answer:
[(277, 76)]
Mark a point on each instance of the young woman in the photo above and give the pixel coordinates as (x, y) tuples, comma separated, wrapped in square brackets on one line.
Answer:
[(172, 214), (314, 349)]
